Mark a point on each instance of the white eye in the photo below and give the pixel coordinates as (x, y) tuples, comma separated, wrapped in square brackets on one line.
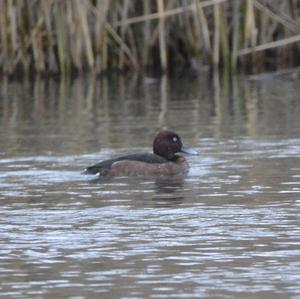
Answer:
[(175, 139)]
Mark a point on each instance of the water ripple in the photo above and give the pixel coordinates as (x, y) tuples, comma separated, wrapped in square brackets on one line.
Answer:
[(230, 226)]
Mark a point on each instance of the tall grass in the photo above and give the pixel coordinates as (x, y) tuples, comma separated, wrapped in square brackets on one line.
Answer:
[(54, 36)]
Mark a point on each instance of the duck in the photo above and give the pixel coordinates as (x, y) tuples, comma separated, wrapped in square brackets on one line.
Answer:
[(167, 159)]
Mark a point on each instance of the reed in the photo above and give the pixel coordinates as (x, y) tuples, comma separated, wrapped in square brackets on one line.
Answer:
[(54, 36)]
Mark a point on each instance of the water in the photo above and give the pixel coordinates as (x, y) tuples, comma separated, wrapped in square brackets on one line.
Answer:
[(229, 229)]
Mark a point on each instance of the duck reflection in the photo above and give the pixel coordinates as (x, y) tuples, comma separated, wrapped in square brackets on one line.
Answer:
[(168, 190), (163, 190)]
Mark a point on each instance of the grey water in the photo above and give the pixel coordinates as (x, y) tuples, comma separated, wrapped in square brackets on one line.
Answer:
[(230, 228)]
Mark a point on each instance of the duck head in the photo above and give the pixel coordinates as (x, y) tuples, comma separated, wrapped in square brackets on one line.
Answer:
[(168, 144)]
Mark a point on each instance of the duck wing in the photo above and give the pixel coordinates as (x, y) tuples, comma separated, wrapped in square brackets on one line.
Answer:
[(104, 166)]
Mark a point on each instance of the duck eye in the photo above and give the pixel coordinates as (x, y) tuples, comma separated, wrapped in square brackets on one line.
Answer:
[(175, 139)]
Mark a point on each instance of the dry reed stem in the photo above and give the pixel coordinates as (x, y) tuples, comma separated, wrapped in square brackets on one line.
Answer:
[(235, 35), (216, 37), (278, 16), (250, 26), (146, 35), (82, 12), (162, 37), (63, 36), (270, 45), (170, 12), (116, 37), (4, 37), (223, 37), (100, 36), (204, 26), (125, 11)]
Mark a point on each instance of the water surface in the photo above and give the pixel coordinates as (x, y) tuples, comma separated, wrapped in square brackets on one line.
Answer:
[(229, 229)]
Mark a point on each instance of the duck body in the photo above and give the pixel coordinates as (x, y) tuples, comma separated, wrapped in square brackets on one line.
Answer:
[(166, 160)]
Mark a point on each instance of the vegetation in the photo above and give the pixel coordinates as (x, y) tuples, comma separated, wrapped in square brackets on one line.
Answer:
[(56, 36)]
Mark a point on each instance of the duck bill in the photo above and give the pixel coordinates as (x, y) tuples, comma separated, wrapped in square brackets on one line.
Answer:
[(187, 150)]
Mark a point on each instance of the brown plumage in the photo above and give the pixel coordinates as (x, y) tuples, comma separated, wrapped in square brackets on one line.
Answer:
[(166, 159)]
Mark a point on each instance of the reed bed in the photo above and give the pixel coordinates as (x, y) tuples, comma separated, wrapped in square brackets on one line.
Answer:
[(65, 37)]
